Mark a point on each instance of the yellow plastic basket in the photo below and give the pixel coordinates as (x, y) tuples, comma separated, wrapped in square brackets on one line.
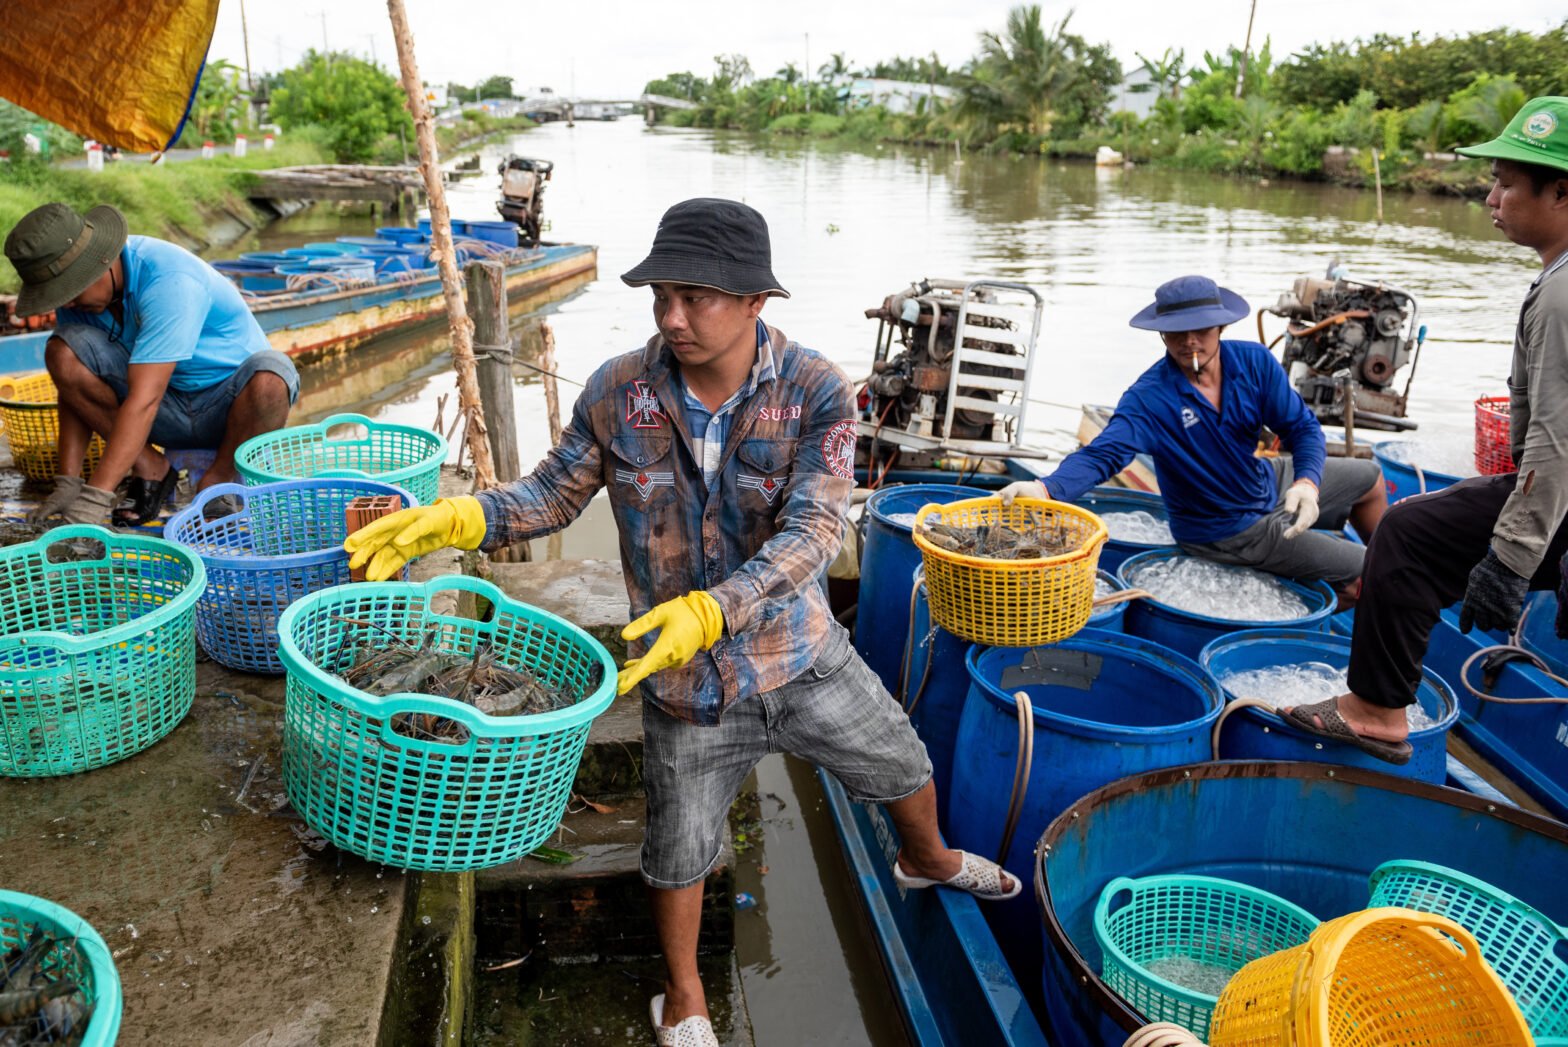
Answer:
[(28, 405), (1012, 603), (1375, 978)]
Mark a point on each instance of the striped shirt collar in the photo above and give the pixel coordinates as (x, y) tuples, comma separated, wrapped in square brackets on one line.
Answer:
[(710, 430)]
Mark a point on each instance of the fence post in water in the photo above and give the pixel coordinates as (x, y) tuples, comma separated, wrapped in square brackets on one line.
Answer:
[(493, 358), (552, 396)]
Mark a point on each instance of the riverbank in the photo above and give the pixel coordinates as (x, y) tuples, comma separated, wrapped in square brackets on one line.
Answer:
[(188, 202), (1201, 152)]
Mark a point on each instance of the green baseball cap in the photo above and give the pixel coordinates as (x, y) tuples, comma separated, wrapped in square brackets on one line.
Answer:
[(1538, 134)]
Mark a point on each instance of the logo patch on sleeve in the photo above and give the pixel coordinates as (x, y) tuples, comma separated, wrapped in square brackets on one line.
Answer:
[(642, 407), (644, 482), (838, 450)]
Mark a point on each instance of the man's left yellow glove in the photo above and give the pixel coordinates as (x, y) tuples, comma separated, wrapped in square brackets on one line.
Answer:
[(392, 541), (686, 624)]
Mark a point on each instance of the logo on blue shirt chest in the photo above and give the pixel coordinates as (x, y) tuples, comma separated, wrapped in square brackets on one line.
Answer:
[(1189, 418)]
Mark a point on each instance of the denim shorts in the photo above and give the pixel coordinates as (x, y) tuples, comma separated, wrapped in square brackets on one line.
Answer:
[(187, 419), (836, 714)]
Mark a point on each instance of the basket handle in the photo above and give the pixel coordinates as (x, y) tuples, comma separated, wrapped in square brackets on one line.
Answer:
[(239, 491), (1102, 908), (343, 474), (401, 702), (491, 592), (332, 421), (55, 535)]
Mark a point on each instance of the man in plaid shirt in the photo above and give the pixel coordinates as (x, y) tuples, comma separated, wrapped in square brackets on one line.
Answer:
[(728, 452)]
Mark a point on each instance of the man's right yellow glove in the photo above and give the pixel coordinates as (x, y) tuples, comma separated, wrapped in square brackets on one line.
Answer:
[(392, 541), (686, 624)]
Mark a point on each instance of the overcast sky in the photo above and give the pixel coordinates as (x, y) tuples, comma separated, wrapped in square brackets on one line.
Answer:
[(613, 48)]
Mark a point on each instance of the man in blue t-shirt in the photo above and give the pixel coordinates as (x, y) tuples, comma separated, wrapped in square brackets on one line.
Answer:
[(151, 346), (1198, 412)]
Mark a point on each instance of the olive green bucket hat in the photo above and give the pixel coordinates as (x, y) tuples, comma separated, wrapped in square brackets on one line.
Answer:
[(59, 253), (1538, 134)]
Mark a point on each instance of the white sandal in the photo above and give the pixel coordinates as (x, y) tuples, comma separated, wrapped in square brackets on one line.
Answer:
[(693, 1031), (979, 876)]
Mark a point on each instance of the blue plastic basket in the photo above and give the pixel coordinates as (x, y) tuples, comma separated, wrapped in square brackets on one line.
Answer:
[(89, 964), (394, 454), (285, 541), (1528, 950), (97, 654), (1201, 918), (417, 803)]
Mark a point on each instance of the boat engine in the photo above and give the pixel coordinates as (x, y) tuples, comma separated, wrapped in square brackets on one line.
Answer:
[(1349, 338), (932, 392), (522, 195)]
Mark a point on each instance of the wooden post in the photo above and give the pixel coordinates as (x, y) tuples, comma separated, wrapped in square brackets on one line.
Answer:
[(552, 396), (493, 352), (1377, 179), (443, 253)]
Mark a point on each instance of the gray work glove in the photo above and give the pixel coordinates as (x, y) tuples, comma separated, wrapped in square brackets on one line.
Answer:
[(66, 488), (1023, 489), (1495, 596), (91, 506)]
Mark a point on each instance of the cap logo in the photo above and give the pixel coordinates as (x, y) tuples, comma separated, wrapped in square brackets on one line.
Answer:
[(1540, 125)]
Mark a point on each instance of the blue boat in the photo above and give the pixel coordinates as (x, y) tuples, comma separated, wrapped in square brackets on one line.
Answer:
[(327, 316)]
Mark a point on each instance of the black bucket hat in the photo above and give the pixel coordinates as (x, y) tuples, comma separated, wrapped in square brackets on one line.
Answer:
[(710, 243), (59, 253)]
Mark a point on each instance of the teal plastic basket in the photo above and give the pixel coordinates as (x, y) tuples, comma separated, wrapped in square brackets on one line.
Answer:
[(416, 803), (1215, 922), (395, 454), (89, 964), (1528, 950), (98, 653)]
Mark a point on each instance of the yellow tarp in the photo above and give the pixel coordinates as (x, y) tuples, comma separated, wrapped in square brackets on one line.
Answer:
[(122, 73)]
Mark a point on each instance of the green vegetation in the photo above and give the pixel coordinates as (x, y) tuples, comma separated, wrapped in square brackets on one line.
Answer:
[(357, 105), (1033, 88), (171, 200)]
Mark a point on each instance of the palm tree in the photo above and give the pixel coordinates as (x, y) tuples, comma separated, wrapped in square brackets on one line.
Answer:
[(1165, 72), (835, 67), (1018, 75), (789, 73), (1490, 108)]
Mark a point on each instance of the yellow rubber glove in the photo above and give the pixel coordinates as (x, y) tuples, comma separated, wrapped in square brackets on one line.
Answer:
[(686, 624), (392, 541)]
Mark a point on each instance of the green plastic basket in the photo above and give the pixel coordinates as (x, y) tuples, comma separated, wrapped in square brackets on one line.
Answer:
[(1202, 918), (396, 454), (89, 964), (1528, 950), (416, 803), (98, 654)]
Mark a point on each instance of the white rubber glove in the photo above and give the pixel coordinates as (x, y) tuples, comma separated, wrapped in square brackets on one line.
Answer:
[(1301, 501), (1024, 489)]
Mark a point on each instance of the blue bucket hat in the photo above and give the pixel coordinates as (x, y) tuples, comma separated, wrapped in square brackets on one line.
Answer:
[(1191, 303)]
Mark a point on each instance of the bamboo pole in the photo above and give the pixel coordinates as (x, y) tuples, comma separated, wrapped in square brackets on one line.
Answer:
[(552, 396), (476, 436)]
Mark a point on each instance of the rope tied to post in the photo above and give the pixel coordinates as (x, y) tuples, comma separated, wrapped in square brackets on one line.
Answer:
[(500, 353)]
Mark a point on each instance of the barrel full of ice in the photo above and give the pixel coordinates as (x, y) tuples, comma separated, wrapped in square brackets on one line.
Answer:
[(1234, 594), (1139, 527), (1102, 587), (1287, 686)]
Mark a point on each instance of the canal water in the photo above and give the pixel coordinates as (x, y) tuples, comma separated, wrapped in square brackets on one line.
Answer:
[(852, 224)]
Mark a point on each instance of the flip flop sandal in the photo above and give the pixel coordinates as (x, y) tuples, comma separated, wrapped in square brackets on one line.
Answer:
[(979, 876), (694, 1031), (146, 498), (1335, 729)]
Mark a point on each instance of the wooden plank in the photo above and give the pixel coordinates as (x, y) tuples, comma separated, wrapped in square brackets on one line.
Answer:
[(1493, 776)]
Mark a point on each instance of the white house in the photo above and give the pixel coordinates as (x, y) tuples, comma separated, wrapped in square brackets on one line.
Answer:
[(896, 96)]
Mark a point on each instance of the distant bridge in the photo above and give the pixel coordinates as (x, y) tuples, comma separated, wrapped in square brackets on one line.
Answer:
[(563, 108)]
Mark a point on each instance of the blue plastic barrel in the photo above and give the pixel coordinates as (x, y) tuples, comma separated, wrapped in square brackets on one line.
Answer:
[(272, 258), (350, 267), (887, 566), (1254, 734), (356, 244), (332, 247), (1189, 633), (1403, 480), (934, 698), (402, 234), (1104, 706), (503, 233), (1123, 500), (310, 251), (459, 227), (1108, 618)]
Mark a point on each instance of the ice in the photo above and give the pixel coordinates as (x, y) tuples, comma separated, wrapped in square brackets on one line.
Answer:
[(1138, 526), (1303, 684), (1450, 457), (1237, 594), (902, 519), (1206, 978), (1102, 587)]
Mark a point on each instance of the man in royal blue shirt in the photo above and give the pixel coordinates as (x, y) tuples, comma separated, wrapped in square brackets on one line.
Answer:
[(151, 346), (1198, 412)]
